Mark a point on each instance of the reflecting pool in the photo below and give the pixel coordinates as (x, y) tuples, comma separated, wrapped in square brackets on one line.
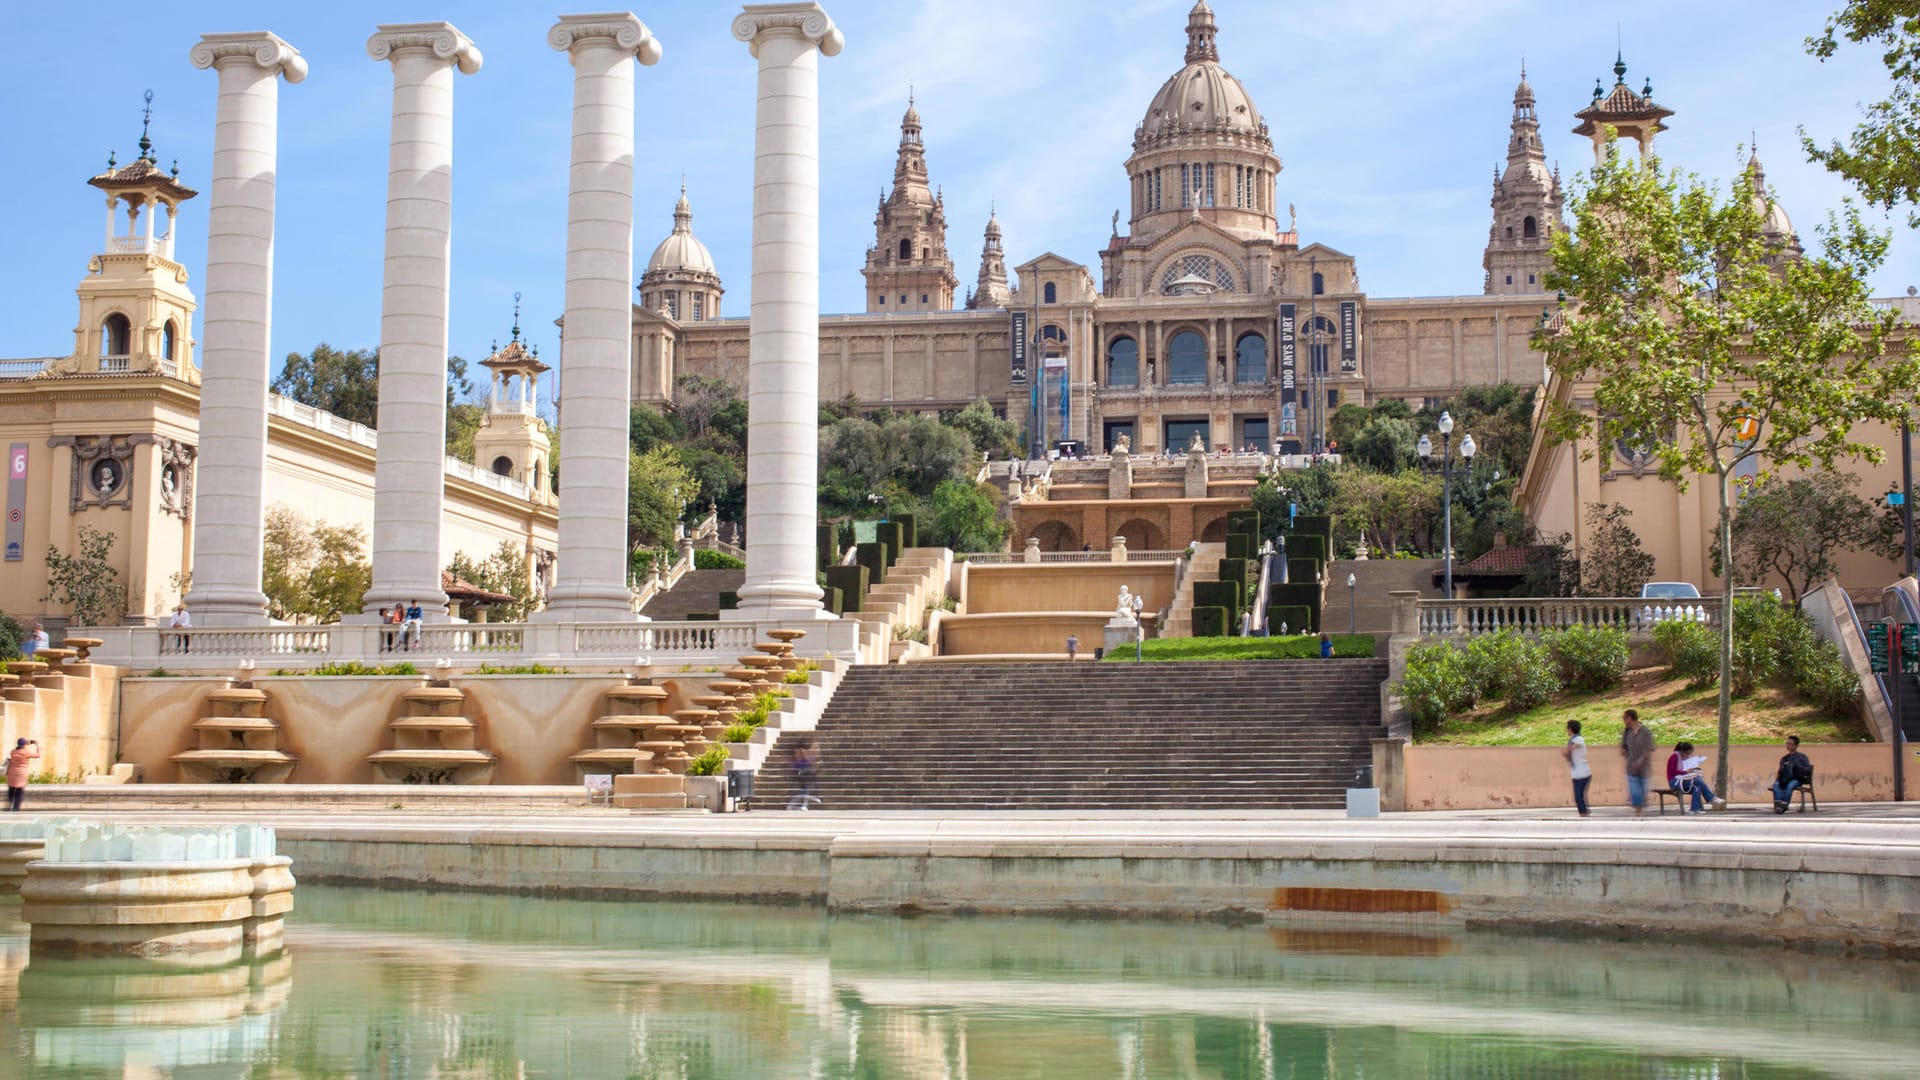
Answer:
[(394, 984)]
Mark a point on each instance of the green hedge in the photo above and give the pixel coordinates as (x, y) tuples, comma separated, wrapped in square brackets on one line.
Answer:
[(1243, 521), (1240, 546), (909, 529), (872, 554), (1222, 594), (703, 616), (1306, 546), (1303, 571), (1210, 622), (1292, 616), (831, 601), (1306, 596), (1239, 648), (852, 583), (1314, 524), (1240, 571), (894, 537), (729, 600), (823, 540)]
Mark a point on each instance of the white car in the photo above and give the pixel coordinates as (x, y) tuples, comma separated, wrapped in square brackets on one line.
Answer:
[(1670, 594)]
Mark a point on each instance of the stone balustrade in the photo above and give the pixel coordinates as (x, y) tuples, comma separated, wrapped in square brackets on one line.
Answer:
[(1531, 615)]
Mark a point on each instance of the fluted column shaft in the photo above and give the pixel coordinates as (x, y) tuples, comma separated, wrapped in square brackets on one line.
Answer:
[(236, 317), (409, 475), (591, 575), (783, 376)]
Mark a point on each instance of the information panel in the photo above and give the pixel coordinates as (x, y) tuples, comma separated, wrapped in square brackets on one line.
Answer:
[(1288, 357), (1349, 335), (16, 502), (1019, 333)]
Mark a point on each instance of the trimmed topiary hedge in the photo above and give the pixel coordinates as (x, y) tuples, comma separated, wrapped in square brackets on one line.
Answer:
[(1243, 521), (1225, 594), (823, 538), (831, 601), (872, 554), (909, 530), (703, 616), (1306, 546), (1210, 621), (852, 583), (729, 600), (1314, 524), (1294, 595), (1303, 571), (1240, 571), (1291, 616), (1240, 546), (894, 537)]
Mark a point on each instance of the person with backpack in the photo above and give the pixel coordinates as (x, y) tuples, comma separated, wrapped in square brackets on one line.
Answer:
[(1796, 771)]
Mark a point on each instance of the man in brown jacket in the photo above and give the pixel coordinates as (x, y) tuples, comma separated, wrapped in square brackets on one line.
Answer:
[(1636, 745)]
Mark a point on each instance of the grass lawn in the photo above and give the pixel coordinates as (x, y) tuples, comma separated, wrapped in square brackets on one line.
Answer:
[(1674, 712), (1292, 647)]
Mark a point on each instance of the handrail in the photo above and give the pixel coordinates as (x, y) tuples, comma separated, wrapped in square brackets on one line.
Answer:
[(1257, 618)]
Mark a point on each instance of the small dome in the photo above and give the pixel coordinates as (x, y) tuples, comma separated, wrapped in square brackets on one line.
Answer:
[(682, 250), (1777, 222)]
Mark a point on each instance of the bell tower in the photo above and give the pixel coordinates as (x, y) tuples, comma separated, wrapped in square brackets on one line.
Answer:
[(512, 440), (136, 312), (991, 291), (908, 268), (1526, 207)]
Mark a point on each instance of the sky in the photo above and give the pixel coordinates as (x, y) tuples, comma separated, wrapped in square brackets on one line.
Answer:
[(1389, 117)]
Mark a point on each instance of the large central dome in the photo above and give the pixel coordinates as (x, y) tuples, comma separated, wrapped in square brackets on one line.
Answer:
[(1201, 96)]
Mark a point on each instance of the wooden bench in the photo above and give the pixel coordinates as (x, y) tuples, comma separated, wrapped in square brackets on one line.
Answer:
[(1805, 792), (1666, 793)]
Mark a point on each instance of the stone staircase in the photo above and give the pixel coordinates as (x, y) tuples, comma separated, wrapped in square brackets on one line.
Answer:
[(697, 591), (1038, 736), (1203, 566), (1375, 580), (917, 578)]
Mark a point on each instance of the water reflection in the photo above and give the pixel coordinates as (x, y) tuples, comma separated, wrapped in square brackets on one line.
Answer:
[(434, 985)]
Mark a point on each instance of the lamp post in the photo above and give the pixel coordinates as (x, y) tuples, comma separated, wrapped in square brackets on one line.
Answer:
[(1467, 449), (1350, 584)]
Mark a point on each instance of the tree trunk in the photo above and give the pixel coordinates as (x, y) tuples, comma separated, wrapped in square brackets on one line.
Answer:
[(1726, 638)]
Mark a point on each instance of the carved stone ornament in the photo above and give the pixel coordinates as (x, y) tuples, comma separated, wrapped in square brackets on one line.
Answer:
[(102, 473), (809, 21), (446, 43), (623, 31), (176, 478), (258, 47)]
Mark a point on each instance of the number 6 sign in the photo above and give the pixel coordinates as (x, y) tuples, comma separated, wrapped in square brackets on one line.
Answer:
[(16, 501)]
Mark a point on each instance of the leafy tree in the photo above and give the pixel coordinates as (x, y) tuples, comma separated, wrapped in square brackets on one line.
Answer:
[(988, 433), (288, 552), (346, 384), (463, 422), (1616, 564), (1312, 490), (1797, 528), (648, 427), (1500, 416), (312, 571), (459, 386), (1882, 155), (1688, 324), (1385, 444), (658, 490), (504, 571), (900, 458), (1391, 511), (87, 581), (1346, 423), (963, 515), (699, 399)]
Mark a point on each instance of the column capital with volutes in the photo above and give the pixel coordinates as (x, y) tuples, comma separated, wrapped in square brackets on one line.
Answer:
[(806, 20), (621, 29), (442, 39), (256, 47)]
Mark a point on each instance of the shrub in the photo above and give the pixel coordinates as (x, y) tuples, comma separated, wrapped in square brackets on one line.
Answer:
[(1822, 679), (852, 582), (894, 537), (1315, 524), (798, 676), (1209, 621), (873, 555), (1240, 572), (909, 529), (1303, 571), (729, 599), (1306, 546), (1295, 617), (1589, 658), (355, 667), (737, 732), (1243, 521), (709, 763), (1692, 651), (1533, 678), (11, 635), (518, 669), (1434, 685), (1231, 595), (1294, 595), (1506, 666), (832, 599), (1240, 546), (717, 560)]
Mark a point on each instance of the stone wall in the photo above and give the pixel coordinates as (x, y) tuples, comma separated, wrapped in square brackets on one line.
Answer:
[(71, 716)]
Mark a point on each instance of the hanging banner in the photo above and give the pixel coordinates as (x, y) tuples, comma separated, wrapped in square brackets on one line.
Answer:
[(16, 502), (1287, 352), (1349, 335), (1019, 332)]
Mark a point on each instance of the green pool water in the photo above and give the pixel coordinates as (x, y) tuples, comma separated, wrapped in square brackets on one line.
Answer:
[(394, 984)]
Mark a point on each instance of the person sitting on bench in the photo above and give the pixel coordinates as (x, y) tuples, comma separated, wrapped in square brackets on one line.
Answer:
[(1684, 777), (1795, 771)]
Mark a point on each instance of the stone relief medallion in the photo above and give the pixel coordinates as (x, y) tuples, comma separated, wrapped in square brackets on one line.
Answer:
[(102, 474), (176, 477)]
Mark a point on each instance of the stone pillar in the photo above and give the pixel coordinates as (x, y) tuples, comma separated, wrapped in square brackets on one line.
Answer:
[(783, 381), (236, 313), (409, 473), (595, 363)]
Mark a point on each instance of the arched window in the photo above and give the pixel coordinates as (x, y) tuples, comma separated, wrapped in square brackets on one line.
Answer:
[(906, 249), (1319, 284), (116, 336), (1321, 333), (1047, 293), (1187, 359), (167, 334), (1250, 359), (503, 465), (1528, 229), (1123, 362)]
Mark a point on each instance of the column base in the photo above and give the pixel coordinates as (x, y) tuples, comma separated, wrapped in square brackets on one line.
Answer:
[(779, 600), (764, 612), (238, 607), (587, 603), (433, 604)]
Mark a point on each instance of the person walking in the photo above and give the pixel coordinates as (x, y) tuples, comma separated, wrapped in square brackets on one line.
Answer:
[(806, 773), (36, 640), (1576, 754), (1073, 645), (1796, 771), (19, 769), (1636, 746)]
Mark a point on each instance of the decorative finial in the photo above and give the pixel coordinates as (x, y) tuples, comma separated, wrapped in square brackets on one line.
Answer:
[(909, 95), (176, 169), (110, 161), (1597, 92), (1646, 91), (516, 317), (146, 118)]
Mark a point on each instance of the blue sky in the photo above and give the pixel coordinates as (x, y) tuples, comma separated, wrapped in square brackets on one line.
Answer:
[(1388, 115)]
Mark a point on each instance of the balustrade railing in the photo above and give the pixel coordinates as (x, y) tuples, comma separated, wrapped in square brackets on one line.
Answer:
[(457, 638), (1531, 615), (1000, 558), (250, 642)]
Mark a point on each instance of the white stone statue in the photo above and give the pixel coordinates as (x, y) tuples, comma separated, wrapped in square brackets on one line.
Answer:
[(1124, 609), (1122, 443), (1197, 444)]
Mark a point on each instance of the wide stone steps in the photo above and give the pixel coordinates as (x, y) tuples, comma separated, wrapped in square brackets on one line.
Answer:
[(1254, 735)]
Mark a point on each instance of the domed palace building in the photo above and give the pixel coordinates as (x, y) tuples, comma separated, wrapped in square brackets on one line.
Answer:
[(1205, 314)]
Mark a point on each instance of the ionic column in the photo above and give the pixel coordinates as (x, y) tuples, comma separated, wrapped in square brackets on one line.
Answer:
[(595, 365), (236, 313), (409, 473), (783, 357)]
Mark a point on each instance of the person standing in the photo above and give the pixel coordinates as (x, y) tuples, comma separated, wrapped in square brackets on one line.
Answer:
[(19, 769), (182, 621), (1576, 754), (1795, 771), (1073, 645), (36, 640), (1636, 745)]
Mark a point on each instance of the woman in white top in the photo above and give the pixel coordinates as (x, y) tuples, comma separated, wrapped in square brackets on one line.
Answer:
[(1576, 754)]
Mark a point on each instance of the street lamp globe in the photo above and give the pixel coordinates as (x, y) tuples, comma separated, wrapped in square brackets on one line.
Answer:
[(1467, 448), (1350, 581), (1446, 423), (1425, 446)]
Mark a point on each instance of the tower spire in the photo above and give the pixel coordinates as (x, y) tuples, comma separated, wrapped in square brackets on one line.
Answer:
[(146, 120), (1200, 32)]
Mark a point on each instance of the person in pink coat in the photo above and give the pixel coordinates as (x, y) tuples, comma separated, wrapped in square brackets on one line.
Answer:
[(18, 766)]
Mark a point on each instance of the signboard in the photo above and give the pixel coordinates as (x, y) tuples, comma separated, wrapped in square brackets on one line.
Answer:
[(16, 502), (1288, 352), (1910, 648), (1349, 335), (1019, 332), (1877, 647)]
